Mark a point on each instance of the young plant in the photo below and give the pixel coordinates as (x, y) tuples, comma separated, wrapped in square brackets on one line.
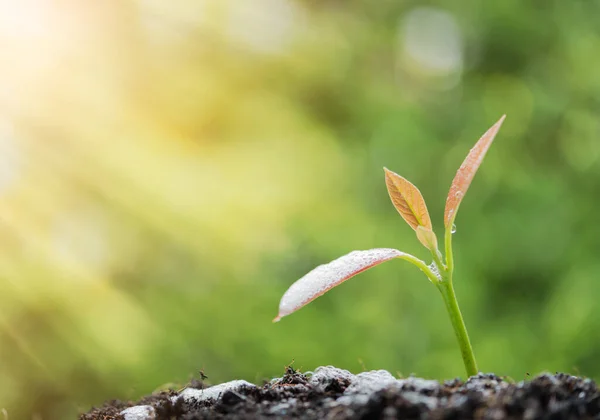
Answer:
[(410, 204)]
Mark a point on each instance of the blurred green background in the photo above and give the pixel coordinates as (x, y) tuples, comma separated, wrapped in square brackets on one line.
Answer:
[(168, 169)]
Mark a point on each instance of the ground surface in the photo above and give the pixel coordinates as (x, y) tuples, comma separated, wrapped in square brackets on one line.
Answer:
[(331, 393)]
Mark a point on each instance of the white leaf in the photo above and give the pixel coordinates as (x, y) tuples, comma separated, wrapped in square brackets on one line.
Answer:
[(327, 276)]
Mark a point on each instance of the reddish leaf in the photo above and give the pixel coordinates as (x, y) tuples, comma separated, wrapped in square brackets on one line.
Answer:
[(327, 276), (466, 172), (408, 200)]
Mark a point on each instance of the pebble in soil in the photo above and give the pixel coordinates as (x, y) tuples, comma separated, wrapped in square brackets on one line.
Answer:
[(332, 393)]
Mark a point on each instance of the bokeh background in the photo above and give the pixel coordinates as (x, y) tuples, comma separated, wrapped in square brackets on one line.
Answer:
[(168, 169)]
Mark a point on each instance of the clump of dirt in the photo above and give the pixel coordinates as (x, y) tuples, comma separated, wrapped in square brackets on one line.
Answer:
[(332, 393)]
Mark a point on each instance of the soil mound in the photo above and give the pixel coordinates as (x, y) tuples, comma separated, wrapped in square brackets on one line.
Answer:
[(332, 393)]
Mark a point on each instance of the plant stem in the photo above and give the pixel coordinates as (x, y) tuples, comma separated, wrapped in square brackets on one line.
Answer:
[(458, 324), (437, 259), (448, 247), (422, 266)]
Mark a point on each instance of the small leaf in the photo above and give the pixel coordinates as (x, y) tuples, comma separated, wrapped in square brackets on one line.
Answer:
[(408, 200), (427, 238), (327, 276), (466, 172)]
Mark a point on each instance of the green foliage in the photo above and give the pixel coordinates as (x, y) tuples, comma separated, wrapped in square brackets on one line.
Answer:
[(164, 180)]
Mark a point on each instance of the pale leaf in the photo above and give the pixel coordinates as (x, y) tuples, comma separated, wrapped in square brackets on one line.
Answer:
[(327, 276), (466, 172), (427, 238), (408, 200)]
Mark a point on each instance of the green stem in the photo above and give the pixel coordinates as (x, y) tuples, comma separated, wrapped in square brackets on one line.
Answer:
[(447, 290), (422, 266), (458, 323), (437, 259), (443, 281), (448, 247)]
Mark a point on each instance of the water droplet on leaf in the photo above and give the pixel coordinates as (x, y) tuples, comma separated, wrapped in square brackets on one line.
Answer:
[(453, 229)]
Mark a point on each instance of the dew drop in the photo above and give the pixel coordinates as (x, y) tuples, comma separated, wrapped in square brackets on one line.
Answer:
[(435, 270), (453, 229)]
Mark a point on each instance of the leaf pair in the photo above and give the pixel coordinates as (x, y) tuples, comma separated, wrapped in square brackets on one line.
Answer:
[(409, 202)]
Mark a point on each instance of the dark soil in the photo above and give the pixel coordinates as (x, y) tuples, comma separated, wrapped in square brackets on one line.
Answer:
[(331, 393)]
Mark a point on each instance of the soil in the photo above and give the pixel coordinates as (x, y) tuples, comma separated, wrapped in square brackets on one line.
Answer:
[(331, 393)]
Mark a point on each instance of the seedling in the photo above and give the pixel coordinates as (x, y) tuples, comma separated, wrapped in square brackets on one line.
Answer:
[(410, 204)]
